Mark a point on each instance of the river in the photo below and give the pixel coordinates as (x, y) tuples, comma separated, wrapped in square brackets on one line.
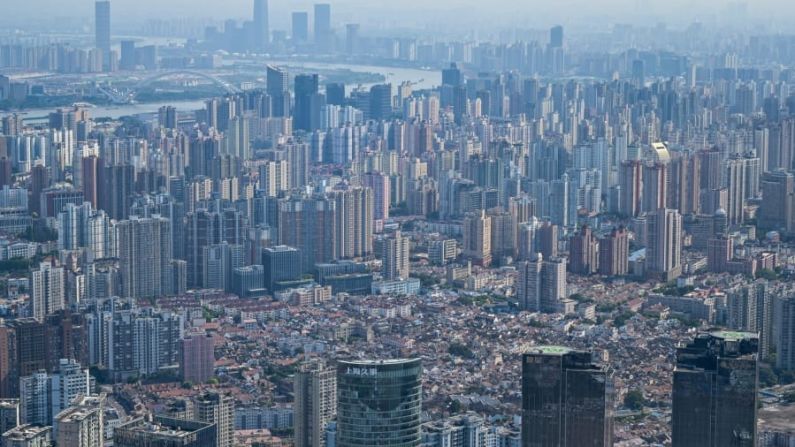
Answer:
[(421, 79)]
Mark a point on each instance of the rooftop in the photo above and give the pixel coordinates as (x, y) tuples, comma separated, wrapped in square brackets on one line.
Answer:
[(734, 335), (25, 432), (76, 414), (377, 362), (549, 350), (9, 403)]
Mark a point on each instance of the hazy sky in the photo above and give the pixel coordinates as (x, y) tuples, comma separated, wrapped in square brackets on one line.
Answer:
[(512, 12)]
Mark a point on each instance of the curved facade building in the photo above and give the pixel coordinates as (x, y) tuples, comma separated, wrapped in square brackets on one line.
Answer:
[(379, 403)]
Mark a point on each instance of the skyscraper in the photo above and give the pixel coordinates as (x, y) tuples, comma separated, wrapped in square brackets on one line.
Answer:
[(555, 54), (380, 102), (47, 289), (664, 250), (584, 252), (73, 226), (354, 232), (655, 187), (335, 94), (274, 177), (560, 214), (452, 79), (323, 26), (715, 391), (90, 176), (777, 210), (278, 85), (281, 264), (379, 402), (128, 58), (299, 157), (684, 182), (567, 399), (155, 341), (526, 240), (452, 76), (308, 102), (395, 257), (742, 182), (503, 234), (614, 253), (220, 261), (144, 256), (43, 396), (720, 250), (167, 117), (197, 358), (81, 424), (127, 341), (785, 328), (711, 177), (541, 285), (249, 281), (547, 240), (381, 186), (29, 346), (315, 388), (477, 237), (207, 228), (750, 308), (6, 178), (631, 183), (638, 73), (261, 24), (300, 26), (102, 26), (218, 409), (309, 224), (352, 38), (236, 139), (556, 37), (115, 190)]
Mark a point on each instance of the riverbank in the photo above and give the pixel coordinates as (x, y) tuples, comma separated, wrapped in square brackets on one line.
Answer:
[(419, 78)]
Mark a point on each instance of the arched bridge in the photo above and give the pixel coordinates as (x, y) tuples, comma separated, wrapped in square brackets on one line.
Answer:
[(128, 94)]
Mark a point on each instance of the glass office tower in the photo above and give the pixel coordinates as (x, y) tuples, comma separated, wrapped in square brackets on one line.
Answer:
[(715, 391), (379, 403), (567, 400)]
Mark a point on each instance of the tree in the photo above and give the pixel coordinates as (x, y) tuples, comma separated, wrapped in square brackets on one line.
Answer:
[(14, 265), (622, 319), (786, 377), (766, 376), (580, 298), (606, 307), (40, 233), (455, 406), (460, 350), (634, 400)]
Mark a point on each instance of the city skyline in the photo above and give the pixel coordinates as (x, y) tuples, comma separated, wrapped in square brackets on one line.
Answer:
[(539, 13), (412, 225)]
